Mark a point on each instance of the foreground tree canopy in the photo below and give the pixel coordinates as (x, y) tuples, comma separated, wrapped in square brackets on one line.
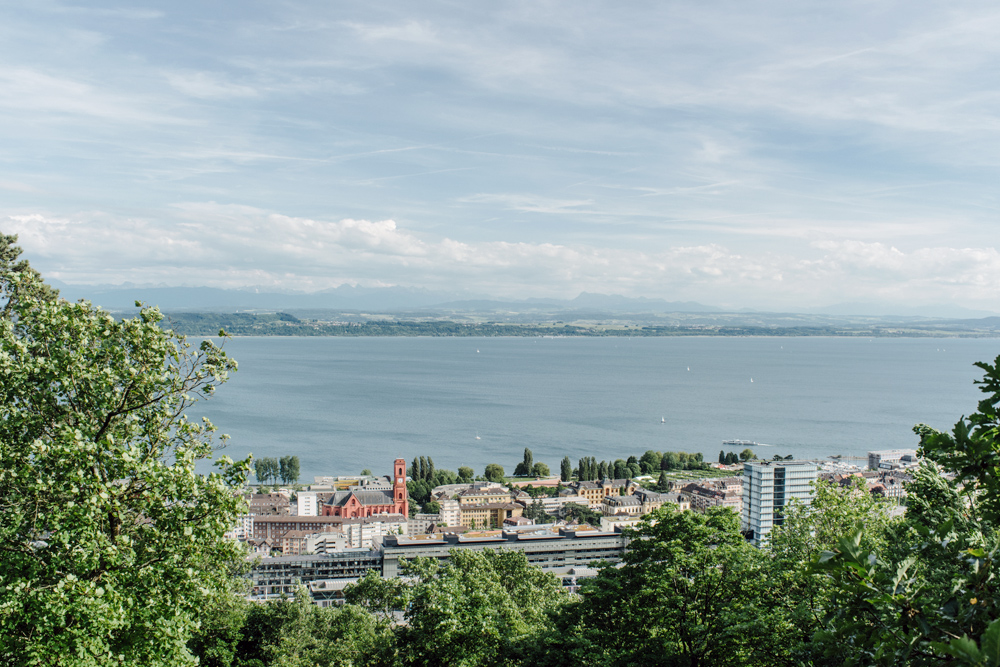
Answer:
[(110, 542)]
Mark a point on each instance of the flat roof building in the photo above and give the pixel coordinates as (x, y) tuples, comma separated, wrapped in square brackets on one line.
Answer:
[(768, 487), (544, 546)]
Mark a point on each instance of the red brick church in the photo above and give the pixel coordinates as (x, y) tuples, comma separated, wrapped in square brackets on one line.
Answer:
[(360, 501)]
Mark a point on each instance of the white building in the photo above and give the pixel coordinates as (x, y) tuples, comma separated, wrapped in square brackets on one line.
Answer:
[(306, 503), (363, 533), (243, 530), (768, 486), (876, 459), (552, 505), (450, 512)]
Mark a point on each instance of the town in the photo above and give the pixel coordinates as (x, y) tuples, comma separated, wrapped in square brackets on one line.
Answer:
[(326, 535)]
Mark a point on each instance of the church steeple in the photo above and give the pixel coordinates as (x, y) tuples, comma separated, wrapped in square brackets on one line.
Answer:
[(399, 495)]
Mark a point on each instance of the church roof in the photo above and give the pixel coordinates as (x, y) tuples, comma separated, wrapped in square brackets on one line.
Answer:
[(364, 497)]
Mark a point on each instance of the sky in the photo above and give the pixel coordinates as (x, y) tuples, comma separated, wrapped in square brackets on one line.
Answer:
[(773, 155)]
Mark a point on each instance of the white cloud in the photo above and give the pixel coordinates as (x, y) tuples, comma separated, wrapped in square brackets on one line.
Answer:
[(234, 246), (28, 89), (207, 85)]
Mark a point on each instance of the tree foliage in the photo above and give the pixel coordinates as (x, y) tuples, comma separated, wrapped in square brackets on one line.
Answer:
[(110, 542), (523, 469), (690, 591), (266, 469), (566, 470), (288, 469), (493, 472), (929, 593)]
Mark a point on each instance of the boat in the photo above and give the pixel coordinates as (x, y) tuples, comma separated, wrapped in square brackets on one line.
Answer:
[(663, 420), (740, 443)]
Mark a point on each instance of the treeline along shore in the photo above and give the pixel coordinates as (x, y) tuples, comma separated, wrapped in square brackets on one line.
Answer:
[(285, 324)]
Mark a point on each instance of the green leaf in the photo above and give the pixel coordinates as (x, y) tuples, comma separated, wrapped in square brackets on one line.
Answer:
[(964, 648), (990, 642)]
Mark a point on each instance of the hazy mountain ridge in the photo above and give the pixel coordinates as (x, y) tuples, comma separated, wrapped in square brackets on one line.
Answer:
[(416, 302)]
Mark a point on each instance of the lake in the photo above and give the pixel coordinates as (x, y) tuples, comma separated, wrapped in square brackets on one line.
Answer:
[(344, 404)]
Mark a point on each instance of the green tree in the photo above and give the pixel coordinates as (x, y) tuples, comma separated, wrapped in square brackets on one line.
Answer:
[(432, 507), (747, 455), (266, 469), (429, 472), (285, 469), (536, 511), (928, 594), (112, 544), (663, 484), (577, 512), (689, 591), (523, 469), (18, 281), (972, 450), (494, 472), (366, 472), (466, 473), (480, 608), (216, 641), (540, 470), (650, 462), (566, 470), (294, 632), (723, 459)]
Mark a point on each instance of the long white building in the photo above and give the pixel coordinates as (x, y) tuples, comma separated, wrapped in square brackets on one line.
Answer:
[(768, 486)]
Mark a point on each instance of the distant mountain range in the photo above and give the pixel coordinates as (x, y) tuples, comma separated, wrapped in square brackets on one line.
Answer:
[(415, 301), (345, 297)]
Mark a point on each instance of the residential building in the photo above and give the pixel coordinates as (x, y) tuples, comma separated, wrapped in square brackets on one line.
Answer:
[(552, 505), (489, 515), (652, 500), (595, 492), (274, 527), (269, 504), (483, 496), (609, 523), (368, 532), (449, 511), (768, 487), (305, 502), (621, 505), (297, 542), (702, 497), (422, 523)]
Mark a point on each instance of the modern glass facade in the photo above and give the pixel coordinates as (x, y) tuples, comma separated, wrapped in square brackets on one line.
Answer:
[(768, 488)]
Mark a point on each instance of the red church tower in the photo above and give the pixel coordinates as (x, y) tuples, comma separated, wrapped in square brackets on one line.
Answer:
[(399, 495)]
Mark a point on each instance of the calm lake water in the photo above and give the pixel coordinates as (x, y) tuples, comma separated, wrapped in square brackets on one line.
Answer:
[(344, 404)]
